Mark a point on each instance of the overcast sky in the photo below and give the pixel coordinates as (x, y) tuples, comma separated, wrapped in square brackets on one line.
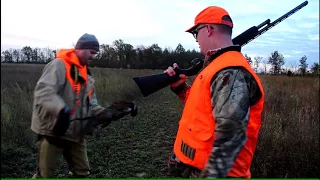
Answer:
[(59, 24)]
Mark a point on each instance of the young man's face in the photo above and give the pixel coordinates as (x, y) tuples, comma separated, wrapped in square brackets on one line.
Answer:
[(203, 34)]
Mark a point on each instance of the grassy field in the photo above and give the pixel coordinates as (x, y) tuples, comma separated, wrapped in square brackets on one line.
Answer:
[(139, 147)]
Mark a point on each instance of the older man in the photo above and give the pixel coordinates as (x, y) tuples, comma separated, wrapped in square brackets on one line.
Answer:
[(65, 109)]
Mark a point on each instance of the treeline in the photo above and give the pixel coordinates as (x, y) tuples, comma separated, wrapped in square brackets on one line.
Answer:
[(123, 55), (117, 55)]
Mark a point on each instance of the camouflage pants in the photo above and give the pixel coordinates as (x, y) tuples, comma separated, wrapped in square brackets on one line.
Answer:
[(179, 169), (50, 149)]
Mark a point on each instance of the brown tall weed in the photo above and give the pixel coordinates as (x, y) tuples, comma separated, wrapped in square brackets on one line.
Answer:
[(289, 138)]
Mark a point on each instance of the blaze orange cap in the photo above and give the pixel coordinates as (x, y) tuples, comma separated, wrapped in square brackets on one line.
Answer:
[(211, 15)]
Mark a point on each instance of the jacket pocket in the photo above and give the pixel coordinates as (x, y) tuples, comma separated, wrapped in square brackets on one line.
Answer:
[(200, 132), (47, 120)]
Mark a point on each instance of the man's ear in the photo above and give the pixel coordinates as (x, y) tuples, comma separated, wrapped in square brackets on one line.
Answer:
[(209, 30)]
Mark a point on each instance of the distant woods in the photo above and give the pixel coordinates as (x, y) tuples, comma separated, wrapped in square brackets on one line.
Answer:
[(123, 55)]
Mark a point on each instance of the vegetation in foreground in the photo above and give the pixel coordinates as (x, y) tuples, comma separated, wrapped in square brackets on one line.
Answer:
[(139, 147)]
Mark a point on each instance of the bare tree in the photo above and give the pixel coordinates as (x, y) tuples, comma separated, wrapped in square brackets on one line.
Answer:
[(257, 60), (265, 63)]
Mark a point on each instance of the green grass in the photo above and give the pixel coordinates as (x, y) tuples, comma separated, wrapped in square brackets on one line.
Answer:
[(139, 147)]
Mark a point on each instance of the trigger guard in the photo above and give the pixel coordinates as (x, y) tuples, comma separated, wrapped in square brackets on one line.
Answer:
[(196, 66)]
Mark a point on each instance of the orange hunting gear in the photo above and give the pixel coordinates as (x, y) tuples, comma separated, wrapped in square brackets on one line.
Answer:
[(211, 15), (195, 136), (65, 83), (71, 60)]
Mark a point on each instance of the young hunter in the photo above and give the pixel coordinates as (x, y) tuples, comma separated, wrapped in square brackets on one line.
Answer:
[(221, 120)]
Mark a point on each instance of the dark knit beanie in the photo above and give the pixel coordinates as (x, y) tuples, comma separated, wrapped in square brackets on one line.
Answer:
[(88, 41)]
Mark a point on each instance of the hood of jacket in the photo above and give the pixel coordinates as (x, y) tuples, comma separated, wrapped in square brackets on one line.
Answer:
[(69, 56)]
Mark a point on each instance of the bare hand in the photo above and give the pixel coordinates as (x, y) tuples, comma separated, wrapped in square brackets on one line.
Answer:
[(170, 71)]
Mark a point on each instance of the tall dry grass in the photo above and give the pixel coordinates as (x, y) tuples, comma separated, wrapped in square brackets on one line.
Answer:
[(289, 138), (288, 144)]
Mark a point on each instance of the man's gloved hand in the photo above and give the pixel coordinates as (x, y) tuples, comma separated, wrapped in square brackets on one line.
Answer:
[(116, 111), (63, 122)]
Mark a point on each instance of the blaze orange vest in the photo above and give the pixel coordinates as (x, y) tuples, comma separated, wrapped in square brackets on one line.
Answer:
[(195, 136), (70, 61)]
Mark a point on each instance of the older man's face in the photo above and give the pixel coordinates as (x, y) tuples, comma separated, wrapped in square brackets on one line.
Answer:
[(87, 55)]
